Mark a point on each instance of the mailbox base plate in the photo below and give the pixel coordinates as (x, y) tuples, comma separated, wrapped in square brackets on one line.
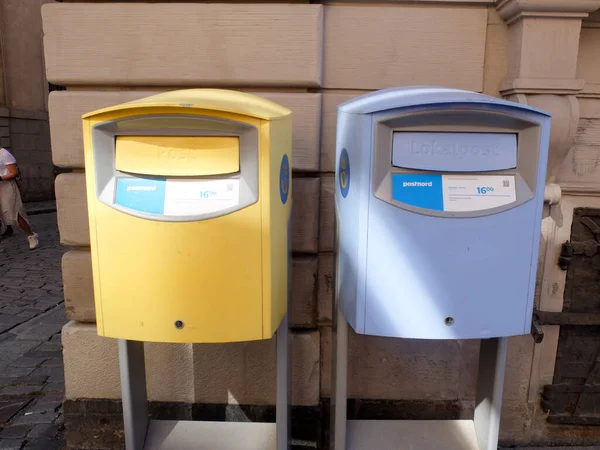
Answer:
[(188, 435), (413, 434)]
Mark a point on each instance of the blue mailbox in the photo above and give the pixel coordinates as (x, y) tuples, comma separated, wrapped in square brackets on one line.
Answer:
[(439, 202), (439, 197)]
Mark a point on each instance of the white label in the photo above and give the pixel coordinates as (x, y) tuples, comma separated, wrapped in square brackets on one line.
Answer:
[(191, 197), (476, 192)]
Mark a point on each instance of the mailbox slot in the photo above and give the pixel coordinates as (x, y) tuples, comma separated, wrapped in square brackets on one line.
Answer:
[(178, 155)]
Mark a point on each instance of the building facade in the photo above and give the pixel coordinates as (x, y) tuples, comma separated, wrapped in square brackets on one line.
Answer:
[(311, 56), (24, 128)]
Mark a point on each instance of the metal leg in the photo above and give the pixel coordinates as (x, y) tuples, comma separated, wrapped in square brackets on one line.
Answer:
[(490, 382), (283, 416), (339, 380), (133, 389)]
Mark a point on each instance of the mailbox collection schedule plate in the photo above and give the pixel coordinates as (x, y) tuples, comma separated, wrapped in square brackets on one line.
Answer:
[(177, 197), (447, 192)]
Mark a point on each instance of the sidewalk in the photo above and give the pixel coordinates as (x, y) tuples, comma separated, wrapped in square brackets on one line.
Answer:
[(31, 317)]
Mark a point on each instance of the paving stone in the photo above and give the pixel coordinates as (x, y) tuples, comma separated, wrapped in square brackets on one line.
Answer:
[(11, 444), (7, 326), (16, 371), (8, 319), (7, 337), (27, 313), (34, 284), (31, 317), (26, 361), (19, 346), (50, 347), (15, 432), (45, 444), (9, 408), (21, 390), (11, 310), (43, 431), (53, 362), (35, 417), (6, 359), (41, 332), (44, 406), (52, 396), (30, 379), (54, 387), (35, 353), (11, 295)]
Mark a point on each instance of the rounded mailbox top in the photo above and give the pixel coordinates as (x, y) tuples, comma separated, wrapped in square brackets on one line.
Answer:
[(209, 99), (402, 97)]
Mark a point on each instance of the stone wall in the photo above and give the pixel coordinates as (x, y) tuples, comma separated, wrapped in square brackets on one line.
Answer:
[(24, 128), (310, 58), (30, 145)]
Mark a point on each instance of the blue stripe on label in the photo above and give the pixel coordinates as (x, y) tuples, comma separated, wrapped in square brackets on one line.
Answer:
[(142, 194), (422, 191)]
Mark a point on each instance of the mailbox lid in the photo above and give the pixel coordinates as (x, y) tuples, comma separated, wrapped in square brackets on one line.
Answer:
[(178, 155)]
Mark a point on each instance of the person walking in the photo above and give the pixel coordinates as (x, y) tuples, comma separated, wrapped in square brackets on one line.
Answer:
[(12, 211)]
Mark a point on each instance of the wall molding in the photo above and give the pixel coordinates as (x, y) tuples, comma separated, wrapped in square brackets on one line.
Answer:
[(513, 10), (580, 189), (590, 90), (542, 86)]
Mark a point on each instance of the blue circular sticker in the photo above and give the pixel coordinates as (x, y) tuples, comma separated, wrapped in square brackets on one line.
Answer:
[(344, 173), (284, 179)]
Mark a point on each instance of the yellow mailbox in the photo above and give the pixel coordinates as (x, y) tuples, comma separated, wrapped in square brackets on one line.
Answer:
[(189, 198)]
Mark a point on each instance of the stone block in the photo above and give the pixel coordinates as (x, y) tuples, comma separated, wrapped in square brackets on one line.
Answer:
[(388, 44), (78, 285), (404, 369), (236, 373), (71, 209), (328, 126), (303, 307), (285, 53), (168, 366), (22, 55), (496, 58), (588, 66), (67, 107), (327, 214), (305, 215), (325, 287), (244, 373)]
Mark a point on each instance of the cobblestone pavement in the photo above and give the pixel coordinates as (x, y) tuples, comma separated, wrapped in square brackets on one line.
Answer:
[(31, 317)]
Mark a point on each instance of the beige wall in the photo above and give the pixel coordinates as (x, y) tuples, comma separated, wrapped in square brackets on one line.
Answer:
[(313, 58), (23, 95), (25, 81)]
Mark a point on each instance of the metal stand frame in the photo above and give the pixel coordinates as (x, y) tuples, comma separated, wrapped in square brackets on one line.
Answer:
[(135, 399), (490, 382)]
